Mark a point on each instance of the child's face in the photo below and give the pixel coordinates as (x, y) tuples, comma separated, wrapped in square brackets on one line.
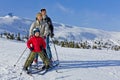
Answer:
[(37, 34)]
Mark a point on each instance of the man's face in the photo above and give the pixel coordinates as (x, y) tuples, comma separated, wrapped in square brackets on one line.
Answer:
[(43, 13)]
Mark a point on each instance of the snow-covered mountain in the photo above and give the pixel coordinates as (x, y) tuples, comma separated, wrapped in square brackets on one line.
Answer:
[(79, 33), (16, 24), (84, 64)]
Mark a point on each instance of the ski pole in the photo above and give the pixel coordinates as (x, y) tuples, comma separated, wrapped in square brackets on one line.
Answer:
[(56, 56), (20, 57), (55, 50)]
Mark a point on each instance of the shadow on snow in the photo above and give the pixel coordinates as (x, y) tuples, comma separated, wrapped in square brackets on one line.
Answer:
[(88, 64)]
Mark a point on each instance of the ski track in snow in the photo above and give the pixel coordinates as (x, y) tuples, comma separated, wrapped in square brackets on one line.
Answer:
[(75, 64)]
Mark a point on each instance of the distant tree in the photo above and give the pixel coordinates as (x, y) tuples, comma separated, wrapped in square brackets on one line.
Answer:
[(18, 37), (5, 33), (88, 46), (77, 45), (66, 44), (1, 35), (12, 36), (56, 42), (71, 44), (62, 44), (94, 47), (8, 35)]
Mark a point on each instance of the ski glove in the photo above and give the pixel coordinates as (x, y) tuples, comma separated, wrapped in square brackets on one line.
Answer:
[(31, 48), (44, 52), (52, 35), (44, 37)]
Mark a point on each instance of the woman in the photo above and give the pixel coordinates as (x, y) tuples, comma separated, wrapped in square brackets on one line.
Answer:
[(44, 30), (35, 24)]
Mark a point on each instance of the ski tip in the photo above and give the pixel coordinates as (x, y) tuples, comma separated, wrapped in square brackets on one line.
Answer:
[(30, 74), (20, 73), (14, 65)]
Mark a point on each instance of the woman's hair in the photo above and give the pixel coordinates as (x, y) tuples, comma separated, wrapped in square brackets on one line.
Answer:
[(38, 14)]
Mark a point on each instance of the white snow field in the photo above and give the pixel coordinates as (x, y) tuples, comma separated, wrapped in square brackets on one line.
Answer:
[(75, 64)]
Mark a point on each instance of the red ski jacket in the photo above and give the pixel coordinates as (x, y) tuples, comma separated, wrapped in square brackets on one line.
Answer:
[(36, 43)]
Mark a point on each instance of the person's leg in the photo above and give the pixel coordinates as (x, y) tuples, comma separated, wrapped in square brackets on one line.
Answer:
[(48, 50), (45, 59), (36, 58), (29, 60)]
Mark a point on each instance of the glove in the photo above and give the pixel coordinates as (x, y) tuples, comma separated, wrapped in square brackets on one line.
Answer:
[(52, 35), (44, 51), (44, 37), (31, 48)]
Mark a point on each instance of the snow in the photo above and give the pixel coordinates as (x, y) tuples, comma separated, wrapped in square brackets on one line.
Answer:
[(75, 64), (15, 24)]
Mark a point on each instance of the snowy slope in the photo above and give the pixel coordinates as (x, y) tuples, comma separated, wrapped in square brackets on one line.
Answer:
[(16, 24), (75, 64)]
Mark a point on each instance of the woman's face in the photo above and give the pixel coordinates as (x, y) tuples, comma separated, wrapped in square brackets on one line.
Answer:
[(39, 18)]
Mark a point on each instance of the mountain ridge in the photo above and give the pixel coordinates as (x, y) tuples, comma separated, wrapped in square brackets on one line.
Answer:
[(15, 24)]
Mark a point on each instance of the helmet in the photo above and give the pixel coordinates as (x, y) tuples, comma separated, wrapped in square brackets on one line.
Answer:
[(36, 30)]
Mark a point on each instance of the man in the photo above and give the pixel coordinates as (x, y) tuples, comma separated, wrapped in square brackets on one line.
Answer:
[(47, 20), (44, 33)]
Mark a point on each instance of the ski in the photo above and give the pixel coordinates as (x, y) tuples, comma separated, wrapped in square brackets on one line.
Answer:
[(43, 72), (35, 70), (47, 70), (29, 73), (39, 70)]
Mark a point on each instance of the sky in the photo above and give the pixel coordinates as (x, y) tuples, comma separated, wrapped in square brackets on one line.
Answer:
[(99, 14)]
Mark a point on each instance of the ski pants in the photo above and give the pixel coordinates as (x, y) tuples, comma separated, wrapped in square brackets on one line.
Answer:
[(48, 50), (32, 56), (36, 58)]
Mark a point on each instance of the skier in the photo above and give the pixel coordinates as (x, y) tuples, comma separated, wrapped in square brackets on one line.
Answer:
[(37, 45), (45, 32), (47, 20), (35, 24)]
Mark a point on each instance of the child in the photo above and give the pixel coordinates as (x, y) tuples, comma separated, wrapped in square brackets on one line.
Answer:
[(37, 45), (36, 24)]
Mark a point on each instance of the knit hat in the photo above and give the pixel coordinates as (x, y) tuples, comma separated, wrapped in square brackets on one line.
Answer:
[(43, 9), (36, 30)]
